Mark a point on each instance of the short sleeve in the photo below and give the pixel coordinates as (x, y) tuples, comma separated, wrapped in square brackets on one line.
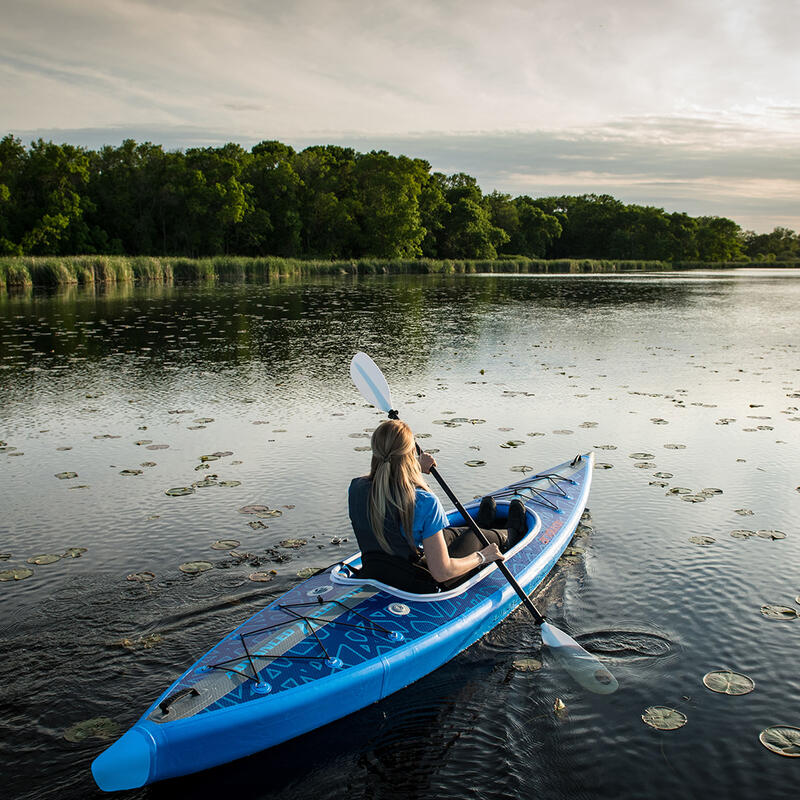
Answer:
[(429, 516)]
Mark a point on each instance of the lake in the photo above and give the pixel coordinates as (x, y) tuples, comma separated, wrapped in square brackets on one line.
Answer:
[(680, 383)]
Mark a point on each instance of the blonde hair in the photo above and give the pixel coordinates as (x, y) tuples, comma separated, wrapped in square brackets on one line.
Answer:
[(395, 475)]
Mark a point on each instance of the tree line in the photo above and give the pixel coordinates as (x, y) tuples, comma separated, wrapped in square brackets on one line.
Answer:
[(325, 202)]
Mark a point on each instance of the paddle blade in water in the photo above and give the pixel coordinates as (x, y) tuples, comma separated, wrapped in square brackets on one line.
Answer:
[(583, 666), (370, 382)]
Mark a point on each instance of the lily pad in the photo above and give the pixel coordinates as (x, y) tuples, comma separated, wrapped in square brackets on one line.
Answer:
[(710, 492), (225, 544), (645, 465), (131, 472), (157, 446), (663, 475), (662, 484), (143, 442), (65, 476), (17, 574), (728, 682), (527, 664), (605, 447), (141, 577), (203, 420), (641, 456), (146, 642), (47, 558), (522, 468), (781, 739), (743, 512), (179, 491), (262, 577), (101, 728), (563, 432), (307, 572), (693, 498), (148, 464), (223, 453), (675, 446), (781, 613), (771, 534), (603, 465), (679, 490), (205, 483), (5, 556), (702, 540), (294, 544), (74, 552), (663, 719), (257, 524), (206, 459), (475, 463), (512, 443), (229, 484), (260, 511), (539, 433), (193, 567), (741, 533)]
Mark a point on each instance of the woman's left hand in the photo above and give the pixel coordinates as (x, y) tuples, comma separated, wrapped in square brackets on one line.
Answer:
[(426, 462)]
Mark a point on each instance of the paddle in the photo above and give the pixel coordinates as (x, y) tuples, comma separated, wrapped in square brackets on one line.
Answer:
[(583, 666)]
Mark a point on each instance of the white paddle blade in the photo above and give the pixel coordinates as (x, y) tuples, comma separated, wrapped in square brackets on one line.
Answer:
[(583, 666), (370, 382)]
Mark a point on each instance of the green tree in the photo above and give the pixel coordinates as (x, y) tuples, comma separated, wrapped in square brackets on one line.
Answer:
[(718, 239)]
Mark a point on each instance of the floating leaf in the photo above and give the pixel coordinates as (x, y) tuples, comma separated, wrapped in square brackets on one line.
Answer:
[(106, 436), (675, 446), (522, 468), (662, 475), (658, 421), (47, 558), (782, 613), (702, 540), (641, 456), (101, 728), (230, 484), (605, 447), (512, 443), (294, 544), (206, 459), (157, 446), (563, 432), (771, 534), (142, 442), (141, 577), (203, 420), (148, 464), (679, 490), (527, 664), (740, 533), (262, 577), (193, 567), (539, 433), (17, 574), (225, 544), (693, 498), (179, 491), (559, 707), (307, 572), (743, 512), (727, 682), (475, 463), (130, 472), (147, 642), (223, 453), (478, 422), (645, 465), (65, 476), (205, 483), (602, 465), (260, 511), (257, 525), (781, 739), (74, 552), (662, 484), (663, 718), (5, 556)]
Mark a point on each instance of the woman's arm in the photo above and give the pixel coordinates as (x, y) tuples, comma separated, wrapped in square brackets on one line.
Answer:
[(443, 567)]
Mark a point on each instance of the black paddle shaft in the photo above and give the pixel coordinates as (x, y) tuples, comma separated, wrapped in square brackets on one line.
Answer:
[(473, 526)]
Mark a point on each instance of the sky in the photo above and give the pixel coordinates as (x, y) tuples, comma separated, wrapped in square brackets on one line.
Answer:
[(687, 105)]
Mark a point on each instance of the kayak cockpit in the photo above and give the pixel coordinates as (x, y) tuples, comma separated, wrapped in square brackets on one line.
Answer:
[(346, 572)]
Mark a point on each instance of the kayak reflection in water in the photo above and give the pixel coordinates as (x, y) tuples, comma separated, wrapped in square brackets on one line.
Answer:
[(402, 529)]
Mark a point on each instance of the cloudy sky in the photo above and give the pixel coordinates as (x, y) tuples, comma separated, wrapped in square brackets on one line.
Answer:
[(689, 105)]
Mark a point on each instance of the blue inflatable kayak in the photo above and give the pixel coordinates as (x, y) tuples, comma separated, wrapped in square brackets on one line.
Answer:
[(334, 644)]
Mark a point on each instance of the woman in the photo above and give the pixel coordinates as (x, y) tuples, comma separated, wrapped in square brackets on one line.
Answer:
[(394, 515)]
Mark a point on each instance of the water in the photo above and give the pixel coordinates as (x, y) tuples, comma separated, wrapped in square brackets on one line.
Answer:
[(710, 361)]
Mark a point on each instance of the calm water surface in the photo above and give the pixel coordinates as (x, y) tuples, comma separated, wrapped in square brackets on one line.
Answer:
[(563, 364)]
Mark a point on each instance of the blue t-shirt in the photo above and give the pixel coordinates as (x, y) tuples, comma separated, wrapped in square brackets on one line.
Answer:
[(429, 519)]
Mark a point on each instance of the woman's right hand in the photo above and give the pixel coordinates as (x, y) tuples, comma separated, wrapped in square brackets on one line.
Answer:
[(492, 553)]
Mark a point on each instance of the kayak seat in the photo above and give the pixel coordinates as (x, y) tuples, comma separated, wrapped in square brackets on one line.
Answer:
[(397, 572)]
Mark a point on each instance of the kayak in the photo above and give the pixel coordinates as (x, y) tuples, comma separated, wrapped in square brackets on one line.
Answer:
[(335, 643)]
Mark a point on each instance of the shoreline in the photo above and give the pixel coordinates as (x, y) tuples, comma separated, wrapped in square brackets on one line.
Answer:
[(24, 272)]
